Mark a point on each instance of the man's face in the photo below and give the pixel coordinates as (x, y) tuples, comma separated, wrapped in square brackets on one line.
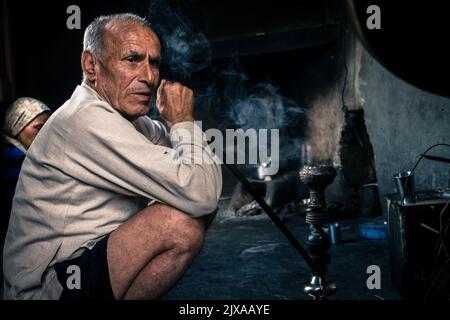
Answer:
[(128, 72)]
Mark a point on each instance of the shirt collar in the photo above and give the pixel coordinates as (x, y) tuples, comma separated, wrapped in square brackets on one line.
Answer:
[(92, 91)]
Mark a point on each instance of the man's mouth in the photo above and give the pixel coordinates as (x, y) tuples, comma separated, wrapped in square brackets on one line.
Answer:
[(144, 96), (144, 93)]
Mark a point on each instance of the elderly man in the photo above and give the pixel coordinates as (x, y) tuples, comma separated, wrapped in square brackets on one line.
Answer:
[(109, 204)]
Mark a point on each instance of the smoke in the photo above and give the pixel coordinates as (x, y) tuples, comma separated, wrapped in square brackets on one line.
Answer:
[(185, 50), (227, 97), (260, 106), (325, 134), (264, 107)]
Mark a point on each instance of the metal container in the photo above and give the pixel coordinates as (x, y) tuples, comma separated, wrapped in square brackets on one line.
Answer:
[(406, 188), (335, 233)]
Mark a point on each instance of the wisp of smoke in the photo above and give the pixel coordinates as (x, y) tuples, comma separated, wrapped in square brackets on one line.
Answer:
[(229, 95), (185, 50)]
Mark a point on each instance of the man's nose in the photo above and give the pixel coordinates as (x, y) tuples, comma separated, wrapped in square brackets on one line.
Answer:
[(149, 74)]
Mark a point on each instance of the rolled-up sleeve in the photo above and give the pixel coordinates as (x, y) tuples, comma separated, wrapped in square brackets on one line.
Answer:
[(106, 151)]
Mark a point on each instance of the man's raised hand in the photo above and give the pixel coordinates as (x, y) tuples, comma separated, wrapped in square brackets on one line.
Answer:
[(175, 102)]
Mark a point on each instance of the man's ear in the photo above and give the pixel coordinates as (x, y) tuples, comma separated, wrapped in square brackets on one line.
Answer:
[(88, 64)]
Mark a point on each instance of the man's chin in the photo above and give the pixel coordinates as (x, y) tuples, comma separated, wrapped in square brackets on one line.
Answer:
[(136, 112)]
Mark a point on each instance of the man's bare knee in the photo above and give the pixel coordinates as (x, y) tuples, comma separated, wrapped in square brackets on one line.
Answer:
[(158, 232), (184, 233)]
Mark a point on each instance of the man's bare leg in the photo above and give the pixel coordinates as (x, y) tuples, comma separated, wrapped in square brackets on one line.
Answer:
[(148, 254)]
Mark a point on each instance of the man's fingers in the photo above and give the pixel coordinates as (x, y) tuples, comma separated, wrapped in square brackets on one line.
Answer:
[(160, 88), (174, 102), (158, 94)]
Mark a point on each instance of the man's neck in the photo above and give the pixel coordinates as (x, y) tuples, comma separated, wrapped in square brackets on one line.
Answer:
[(91, 87)]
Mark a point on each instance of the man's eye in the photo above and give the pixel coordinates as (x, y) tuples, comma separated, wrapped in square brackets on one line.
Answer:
[(131, 59)]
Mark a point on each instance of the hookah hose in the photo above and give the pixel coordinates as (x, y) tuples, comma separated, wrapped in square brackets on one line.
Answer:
[(273, 216)]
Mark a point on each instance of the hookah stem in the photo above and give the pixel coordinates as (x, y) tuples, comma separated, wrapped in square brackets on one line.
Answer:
[(272, 216)]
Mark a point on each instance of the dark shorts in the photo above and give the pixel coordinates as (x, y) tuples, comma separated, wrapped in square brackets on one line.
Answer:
[(91, 268)]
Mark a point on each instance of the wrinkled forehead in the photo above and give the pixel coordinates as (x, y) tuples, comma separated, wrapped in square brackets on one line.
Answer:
[(121, 34)]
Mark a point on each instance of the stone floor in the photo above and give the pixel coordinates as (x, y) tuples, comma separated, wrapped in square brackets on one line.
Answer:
[(249, 258)]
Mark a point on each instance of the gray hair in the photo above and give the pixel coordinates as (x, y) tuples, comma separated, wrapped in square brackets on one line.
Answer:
[(93, 35)]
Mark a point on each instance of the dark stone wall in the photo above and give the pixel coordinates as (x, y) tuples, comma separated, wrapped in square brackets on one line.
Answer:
[(403, 121)]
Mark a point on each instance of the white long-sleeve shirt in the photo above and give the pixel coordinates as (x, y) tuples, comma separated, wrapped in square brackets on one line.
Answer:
[(90, 170)]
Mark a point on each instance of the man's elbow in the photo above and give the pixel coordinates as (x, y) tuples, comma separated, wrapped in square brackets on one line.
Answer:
[(207, 197), (206, 203), (209, 205), (201, 191)]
